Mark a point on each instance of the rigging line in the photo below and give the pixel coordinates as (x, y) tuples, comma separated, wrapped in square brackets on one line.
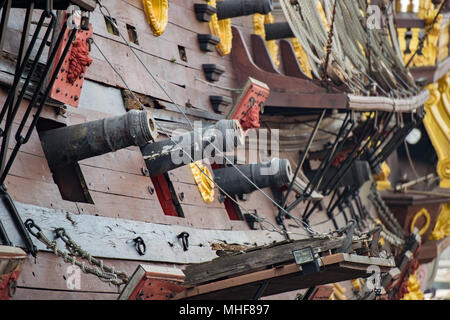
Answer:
[(190, 123), (408, 155), (259, 219), (218, 86), (305, 153), (329, 42), (307, 192), (425, 36)]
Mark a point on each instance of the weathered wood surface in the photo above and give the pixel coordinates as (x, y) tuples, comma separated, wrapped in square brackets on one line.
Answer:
[(159, 53), (50, 272), (23, 293), (289, 277), (233, 265), (123, 208), (113, 237)]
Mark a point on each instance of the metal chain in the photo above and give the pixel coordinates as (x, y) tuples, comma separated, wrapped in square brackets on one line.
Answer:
[(389, 236), (103, 272), (384, 213)]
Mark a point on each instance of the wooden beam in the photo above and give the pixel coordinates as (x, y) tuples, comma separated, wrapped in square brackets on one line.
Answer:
[(233, 265), (335, 268), (107, 237), (88, 5), (432, 249)]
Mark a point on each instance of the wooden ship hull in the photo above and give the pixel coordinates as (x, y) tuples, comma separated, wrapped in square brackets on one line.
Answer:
[(88, 120)]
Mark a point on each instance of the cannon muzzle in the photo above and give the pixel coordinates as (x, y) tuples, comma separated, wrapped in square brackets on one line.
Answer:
[(66, 145), (165, 155), (278, 30), (238, 8), (274, 173)]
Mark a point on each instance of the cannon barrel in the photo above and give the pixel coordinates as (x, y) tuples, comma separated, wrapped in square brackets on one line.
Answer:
[(358, 173), (237, 8), (66, 145), (278, 30), (165, 155), (274, 173)]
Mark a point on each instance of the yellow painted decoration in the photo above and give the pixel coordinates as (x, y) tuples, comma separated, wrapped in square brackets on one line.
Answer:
[(382, 180), (424, 8), (432, 48), (414, 289), (222, 29), (437, 124), (356, 284), (444, 39), (205, 184), (157, 13), (442, 226), (301, 57), (338, 292), (398, 5), (258, 28), (422, 212), (410, 7)]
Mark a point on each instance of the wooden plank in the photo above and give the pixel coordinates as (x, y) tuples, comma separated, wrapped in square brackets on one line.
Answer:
[(119, 206), (7, 252), (281, 279), (37, 193), (191, 195), (51, 272), (432, 249), (244, 263), (88, 5), (42, 294), (32, 167), (211, 218), (117, 183), (106, 237), (164, 46), (124, 160), (177, 80)]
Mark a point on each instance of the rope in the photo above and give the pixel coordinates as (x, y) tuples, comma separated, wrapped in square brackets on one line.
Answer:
[(79, 60), (329, 42)]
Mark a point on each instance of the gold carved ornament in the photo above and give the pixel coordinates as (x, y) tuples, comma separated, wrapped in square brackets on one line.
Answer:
[(204, 180), (437, 124), (221, 29), (258, 28), (157, 14)]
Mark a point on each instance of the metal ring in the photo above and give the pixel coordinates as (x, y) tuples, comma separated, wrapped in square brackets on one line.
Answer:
[(140, 245), (12, 288), (184, 239), (29, 224)]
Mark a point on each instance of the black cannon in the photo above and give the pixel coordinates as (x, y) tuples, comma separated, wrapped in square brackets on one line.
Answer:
[(237, 8), (70, 144), (163, 156), (278, 30), (274, 173)]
